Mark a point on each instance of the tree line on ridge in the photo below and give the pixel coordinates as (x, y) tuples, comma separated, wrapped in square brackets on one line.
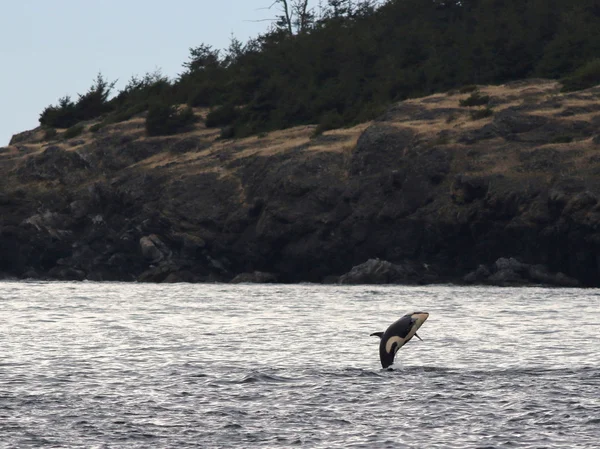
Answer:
[(347, 61)]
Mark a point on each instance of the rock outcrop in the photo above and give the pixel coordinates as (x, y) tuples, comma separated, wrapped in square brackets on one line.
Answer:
[(376, 271), (257, 277), (427, 193), (509, 271)]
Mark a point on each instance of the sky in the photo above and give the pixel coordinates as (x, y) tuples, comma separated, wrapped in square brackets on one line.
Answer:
[(53, 48)]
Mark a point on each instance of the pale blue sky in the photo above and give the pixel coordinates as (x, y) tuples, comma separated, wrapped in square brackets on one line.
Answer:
[(53, 48)]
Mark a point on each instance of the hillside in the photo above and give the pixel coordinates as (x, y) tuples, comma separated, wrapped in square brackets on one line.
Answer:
[(436, 188)]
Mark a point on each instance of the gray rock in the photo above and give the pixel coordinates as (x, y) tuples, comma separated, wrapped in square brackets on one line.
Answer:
[(511, 121), (54, 163), (191, 245), (181, 276), (510, 264), (467, 189), (79, 208), (479, 275), (31, 136), (377, 271), (379, 146), (216, 264), (51, 222), (505, 277), (67, 273), (159, 273), (31, 274), (257, 277), (540, 273), (563, 280), (580, 201), (153, 249)]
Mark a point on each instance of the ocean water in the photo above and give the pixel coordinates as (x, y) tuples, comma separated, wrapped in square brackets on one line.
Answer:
[(103, 365)]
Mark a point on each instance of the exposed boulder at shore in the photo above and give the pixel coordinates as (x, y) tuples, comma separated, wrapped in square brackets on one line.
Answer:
[(376, 271), (431, 192), (257, 277), (509, 271)]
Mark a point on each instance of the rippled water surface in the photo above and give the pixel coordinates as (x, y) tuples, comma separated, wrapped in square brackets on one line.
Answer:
[(130, 365)]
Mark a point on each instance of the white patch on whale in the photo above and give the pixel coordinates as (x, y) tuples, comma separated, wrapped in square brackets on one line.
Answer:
[(390, 344)]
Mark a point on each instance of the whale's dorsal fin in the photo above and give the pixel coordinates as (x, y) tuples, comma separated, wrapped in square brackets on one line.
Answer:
[(417, 335), (376, 334)]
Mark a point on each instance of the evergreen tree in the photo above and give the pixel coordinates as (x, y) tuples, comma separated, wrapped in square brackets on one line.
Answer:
[(348, 62)]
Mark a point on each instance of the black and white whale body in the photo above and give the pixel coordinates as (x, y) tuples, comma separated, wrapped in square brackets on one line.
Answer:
[(398, 334)]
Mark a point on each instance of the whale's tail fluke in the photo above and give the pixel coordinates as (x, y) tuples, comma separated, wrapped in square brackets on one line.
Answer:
[(376, 334)]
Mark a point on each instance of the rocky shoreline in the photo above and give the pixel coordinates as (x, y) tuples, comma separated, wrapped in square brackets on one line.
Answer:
[(432, 192)]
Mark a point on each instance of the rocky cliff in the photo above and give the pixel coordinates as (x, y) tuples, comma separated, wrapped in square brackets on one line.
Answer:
[(437, 189)]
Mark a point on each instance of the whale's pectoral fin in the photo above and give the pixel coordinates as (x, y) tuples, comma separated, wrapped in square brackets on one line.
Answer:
[(376, 334), (417, 335)]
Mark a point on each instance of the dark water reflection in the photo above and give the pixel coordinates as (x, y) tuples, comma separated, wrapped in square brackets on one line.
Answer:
[(121, 365)]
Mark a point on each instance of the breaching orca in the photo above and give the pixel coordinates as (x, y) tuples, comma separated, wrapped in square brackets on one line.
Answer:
[(398, 334)]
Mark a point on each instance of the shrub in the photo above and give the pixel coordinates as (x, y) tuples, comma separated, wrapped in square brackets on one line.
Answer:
[(125, 114), (222, 116), (451, 118), (367, 112), (202, 96), (97, 127), (90, 105), (227, 132), (467, 89), (440, 140), (185, 117), (151, 88), (562, 138), (329, 120), (94, 102), (164, 119), (478, 114), (50, 134), (475, 99), (73, 131), (62, 116), (585, 76)]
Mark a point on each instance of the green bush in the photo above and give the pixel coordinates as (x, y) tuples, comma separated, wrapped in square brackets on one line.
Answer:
[(585, 76), (126, 114), (227, 132), (451, 118), (467, 89), (478, 114), (222, 116), (562, 138), (73, 131), (97, 127), (92, 104), (50, 134), (329, 120), (164, 119), (151, 88), (62, 116), (203, 96), (367, 112), (475, 99)]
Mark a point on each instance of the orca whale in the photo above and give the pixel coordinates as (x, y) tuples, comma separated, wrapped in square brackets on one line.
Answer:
[(398, 334)]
